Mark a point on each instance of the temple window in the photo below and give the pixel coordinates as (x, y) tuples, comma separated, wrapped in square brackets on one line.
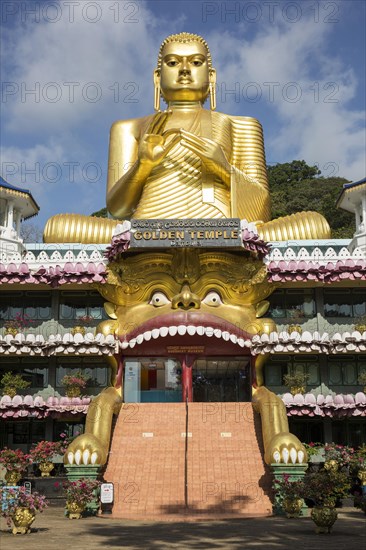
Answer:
[(94, 368), (345, 370), (279, 365), (35, 306), (292, 304), (33, 369), (74, 305), (344, 302)]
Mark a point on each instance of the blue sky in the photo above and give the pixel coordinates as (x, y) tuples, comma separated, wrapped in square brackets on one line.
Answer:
[(70, 69)]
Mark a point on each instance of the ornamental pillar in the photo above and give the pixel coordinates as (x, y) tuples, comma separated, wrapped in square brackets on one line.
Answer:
[(187, 385), (10, 219)]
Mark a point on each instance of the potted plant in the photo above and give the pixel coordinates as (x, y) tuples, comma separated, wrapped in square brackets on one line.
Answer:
[(82, 322), (43, 453), (295, 315), (15, 462), (21, 507), (362, 380), (11, 382), (74, 383), (78, 494), (360, 326), (20, 321), (337, 456), (323, 488), (296, 382), (290, 494)]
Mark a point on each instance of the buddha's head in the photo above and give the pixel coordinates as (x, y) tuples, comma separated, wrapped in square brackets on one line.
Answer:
[(184, 72)]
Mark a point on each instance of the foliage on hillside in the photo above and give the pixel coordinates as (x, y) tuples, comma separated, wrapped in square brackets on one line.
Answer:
[(296, 186)]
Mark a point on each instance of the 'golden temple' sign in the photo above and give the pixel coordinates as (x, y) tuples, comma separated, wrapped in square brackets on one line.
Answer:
[(186, 233)]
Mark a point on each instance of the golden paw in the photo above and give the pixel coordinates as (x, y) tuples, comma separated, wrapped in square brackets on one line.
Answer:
[(286, 448), (84, 450)]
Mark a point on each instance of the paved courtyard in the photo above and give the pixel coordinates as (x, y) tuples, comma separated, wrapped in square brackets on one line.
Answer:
[(52, 530)]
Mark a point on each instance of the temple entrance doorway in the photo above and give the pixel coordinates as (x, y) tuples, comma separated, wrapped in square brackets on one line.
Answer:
[(221, 379)]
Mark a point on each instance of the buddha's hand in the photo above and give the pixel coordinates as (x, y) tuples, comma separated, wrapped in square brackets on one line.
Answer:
[(156, 144), (285, 448), (211, 153), (85, 449)]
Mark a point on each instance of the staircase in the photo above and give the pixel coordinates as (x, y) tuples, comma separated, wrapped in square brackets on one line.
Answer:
[(224, 470)]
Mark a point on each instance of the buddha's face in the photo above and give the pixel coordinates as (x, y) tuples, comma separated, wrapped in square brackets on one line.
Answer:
[(184, 72)]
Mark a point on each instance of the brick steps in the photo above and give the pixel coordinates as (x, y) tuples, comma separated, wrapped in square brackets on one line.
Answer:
[(225, 470)]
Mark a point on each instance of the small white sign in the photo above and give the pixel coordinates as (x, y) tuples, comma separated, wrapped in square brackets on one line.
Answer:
[(225, 434), (147, 434), (106, 493), (188, 434)]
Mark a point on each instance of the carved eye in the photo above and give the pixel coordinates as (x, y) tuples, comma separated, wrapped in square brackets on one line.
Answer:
[(197, 63), (159, 299), (172, 63), (212, 299)]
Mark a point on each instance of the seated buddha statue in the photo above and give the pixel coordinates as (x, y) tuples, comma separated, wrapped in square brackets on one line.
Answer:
[(187, 161)]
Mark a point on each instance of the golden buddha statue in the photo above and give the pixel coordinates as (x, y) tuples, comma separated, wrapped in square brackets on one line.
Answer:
[(186, 162)]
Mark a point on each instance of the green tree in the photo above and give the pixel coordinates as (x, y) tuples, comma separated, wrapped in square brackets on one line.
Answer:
[(102, 213), (295, 187)]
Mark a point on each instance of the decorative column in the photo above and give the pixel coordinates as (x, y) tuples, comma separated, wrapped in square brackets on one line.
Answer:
[(10, 220), (18, 216), (187, 386), (295, 472)]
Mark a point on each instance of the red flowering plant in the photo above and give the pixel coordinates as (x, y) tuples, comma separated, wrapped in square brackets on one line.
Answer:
[(45, 451), (14, 460), (287, 488), (80, 491), (65, 441), (78, 380), (312, 448), (19, 498), (19, 322), (325, 488), (342, 454), (85, 320)]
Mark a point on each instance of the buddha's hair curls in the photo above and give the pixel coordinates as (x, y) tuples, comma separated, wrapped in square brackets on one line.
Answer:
[(184, 37)]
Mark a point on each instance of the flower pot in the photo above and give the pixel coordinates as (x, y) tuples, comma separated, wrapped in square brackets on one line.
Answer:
[(292, 506), (11, 330), (12, 477), (362, 476), (78, 330), (10, 391), (22, 519), (331, 465), (73, 391), (294, 390), (46, 468), (294, 328), (75, 510), (324, 518)]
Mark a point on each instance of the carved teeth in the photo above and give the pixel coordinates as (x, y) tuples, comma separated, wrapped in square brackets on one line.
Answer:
[(147, 335), (155, 333), (182, 329), (233, 338), (200, 331), (132, 343), (164, 331), (124, 345), (191, 330), (173, 331), (241, 342), (209, 331), (217, 333), (225, 335), (139, 339)]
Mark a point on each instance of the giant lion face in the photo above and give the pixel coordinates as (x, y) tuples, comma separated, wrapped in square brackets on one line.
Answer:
[(186, 299)]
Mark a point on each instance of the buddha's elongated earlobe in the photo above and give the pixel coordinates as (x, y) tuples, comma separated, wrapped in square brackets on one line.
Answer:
[(157, 90), (212, 83)]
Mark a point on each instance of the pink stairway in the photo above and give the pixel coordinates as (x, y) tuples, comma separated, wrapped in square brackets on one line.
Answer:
[(224, 470)]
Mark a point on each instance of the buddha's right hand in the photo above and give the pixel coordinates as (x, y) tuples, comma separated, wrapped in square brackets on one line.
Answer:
[(154, 146)]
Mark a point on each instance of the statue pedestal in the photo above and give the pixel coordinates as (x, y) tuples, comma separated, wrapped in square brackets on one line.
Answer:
[(74, 472)]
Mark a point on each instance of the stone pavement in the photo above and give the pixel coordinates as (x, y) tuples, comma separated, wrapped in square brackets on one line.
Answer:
[(51, 530)]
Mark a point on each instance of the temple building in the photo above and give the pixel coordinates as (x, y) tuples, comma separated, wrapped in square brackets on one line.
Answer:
[(318, 307)]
